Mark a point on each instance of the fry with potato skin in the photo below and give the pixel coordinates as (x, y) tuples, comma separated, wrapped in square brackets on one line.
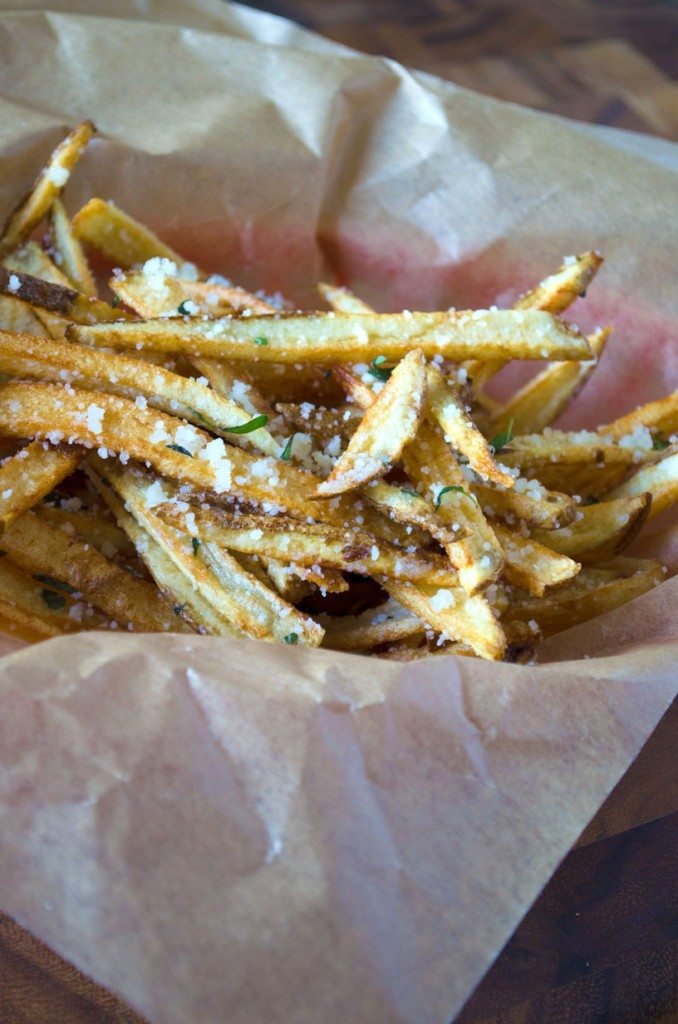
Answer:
[(341, 337), (29, 212), (59, 299)]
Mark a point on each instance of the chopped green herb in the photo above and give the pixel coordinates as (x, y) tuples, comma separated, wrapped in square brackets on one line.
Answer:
[(659, 444), (54, 601), (51, 582), (501, 441), (378, 370), (408, 490), (247, 428), (116, 301), (178, 609), (195, 543), (181, 308), (199, 416), (292, 638), (287, 450), (180, 449), (458, 489), (261, 340)]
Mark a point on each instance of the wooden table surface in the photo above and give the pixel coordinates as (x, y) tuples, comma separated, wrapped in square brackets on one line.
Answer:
[(600, 945)]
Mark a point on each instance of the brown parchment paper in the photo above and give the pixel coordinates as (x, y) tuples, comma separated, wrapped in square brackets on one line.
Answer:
[(225, 831)]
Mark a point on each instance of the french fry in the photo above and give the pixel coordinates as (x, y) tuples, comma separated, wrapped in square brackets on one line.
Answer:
[(118, 236), (57, 361), (31, 474), (544, 399), (32, 611), (454, 614), (659, 480), (310, 544), (566, 448), (342, 300), (387, 427), (408, 507), (601, 531), (535, 505), (592, 593), (433, 469), (531, 565), (18, 317), (187, 601), (322, 338), (386, 624), (102, 533), (42, 549), (68, 252), (660, 416), (588, 480), (249, 607), (60, 299), (177, 296), (553, 295), (446, 408), (30, 210)]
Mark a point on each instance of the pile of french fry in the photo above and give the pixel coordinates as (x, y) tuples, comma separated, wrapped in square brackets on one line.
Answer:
[(186, 456)]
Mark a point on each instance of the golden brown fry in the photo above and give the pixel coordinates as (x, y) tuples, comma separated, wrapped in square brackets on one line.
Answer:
[(342, 300), (453, 613), (323, 424), (18, 317), (23, 356), (250, 607), (187, 601), (31, 474), (581, 479), (179, 296), (119, 237), (38, 547), (659, 480), (327, 338), (389, 424), (446, 408), (536, 506), (102, 533), (386, 624), (32, 611), (660, 416), (99, 420), (68, 252), (409, 508), (601, 531), (545, 398), (310, 544), (566, 448), (593, 592), (31, 259), (553, 295), (30, 210), (234, 384), (531, 565)]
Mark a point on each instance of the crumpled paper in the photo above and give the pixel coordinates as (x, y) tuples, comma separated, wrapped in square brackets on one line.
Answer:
[(223, 830)]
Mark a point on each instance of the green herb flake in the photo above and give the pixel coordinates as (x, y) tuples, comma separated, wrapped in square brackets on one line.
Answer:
[(287, 450), (500, 442), (181, 308), (247, 428), (261, 340), (459, 490), (54, 601), (116, 301), (178, 608), (56, 584), (378, 370), (659, 444), (195, 544), (408, 490), (180, 449), (292, 638)]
